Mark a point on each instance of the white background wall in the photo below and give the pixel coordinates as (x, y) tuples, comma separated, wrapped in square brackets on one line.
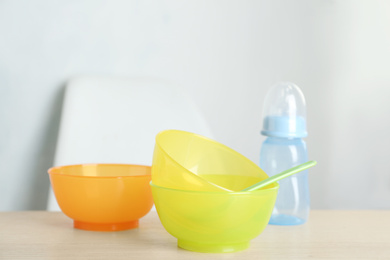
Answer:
[(226, 54)]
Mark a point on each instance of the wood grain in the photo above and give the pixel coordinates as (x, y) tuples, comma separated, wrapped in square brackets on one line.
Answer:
[(327, 235)]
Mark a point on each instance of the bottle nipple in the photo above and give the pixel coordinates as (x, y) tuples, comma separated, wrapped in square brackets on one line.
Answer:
[(284, 112)]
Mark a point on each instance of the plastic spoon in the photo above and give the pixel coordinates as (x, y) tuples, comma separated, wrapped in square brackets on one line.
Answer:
[(281, 175)]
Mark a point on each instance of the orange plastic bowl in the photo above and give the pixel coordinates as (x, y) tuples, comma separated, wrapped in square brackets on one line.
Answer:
[(103, 197)]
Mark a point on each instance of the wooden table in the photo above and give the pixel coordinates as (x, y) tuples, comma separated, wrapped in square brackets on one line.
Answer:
[(327, 235)]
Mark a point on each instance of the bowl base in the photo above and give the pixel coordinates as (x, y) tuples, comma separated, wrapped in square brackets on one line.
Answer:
[(212, 248), (286, 220), (105, 226)]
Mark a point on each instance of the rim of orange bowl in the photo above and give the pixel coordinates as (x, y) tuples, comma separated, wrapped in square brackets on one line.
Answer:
[(50, 170), (210, 140), (275, 186)]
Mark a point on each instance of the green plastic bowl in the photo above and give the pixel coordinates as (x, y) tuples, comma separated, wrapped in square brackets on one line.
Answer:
[(214, 222)]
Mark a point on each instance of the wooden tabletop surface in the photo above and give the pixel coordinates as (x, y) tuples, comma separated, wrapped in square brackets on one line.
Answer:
[(327, 235)]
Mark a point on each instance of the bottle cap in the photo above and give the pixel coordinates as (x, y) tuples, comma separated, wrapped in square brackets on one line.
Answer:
[(284, 113)]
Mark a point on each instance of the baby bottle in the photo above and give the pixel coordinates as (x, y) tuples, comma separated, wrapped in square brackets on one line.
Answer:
[(284, 124)]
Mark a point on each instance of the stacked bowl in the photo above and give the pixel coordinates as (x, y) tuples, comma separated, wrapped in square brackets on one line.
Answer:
[(196, 186)]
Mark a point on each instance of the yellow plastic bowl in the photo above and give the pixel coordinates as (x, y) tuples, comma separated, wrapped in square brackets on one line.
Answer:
[(103, 197), (214, 222), (188, 161)]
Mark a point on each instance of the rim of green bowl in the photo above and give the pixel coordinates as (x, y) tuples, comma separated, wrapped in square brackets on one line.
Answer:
[(275, 186)]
